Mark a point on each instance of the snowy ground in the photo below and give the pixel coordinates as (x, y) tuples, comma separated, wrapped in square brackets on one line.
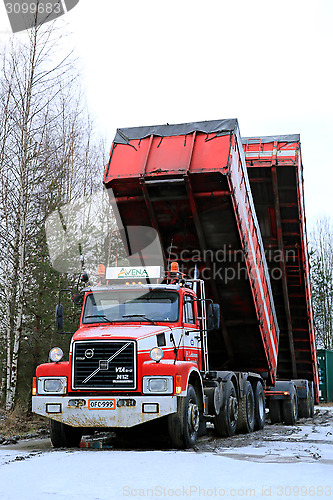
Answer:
[(278, 462)]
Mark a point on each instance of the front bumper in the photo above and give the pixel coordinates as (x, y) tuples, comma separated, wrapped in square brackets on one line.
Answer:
[(85, 414)]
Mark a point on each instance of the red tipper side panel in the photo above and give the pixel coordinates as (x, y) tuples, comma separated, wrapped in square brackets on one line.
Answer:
[(193, 189), (253, 249), (276, 177), (159, 156)]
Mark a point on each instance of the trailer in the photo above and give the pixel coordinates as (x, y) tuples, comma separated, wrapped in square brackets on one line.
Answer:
[(197, 343), (275, 171)]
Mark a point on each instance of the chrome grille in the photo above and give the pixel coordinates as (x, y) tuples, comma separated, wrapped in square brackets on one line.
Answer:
[(104, 365)]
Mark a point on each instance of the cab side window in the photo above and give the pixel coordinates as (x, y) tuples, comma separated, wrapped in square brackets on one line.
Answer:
[(188, 316)]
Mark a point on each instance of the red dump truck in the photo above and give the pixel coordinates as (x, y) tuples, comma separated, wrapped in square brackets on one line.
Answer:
[(197, 338)]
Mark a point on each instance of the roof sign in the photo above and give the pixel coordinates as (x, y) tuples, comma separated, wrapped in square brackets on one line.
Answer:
[(147, 272)]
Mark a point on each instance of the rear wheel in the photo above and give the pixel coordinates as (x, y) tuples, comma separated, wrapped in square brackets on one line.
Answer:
[(275, 413), (225, 422), (304, 404), (312, 401), (304, 408), (184, 425), (64, 436), (290, 408), (245, 422), (259, 405)]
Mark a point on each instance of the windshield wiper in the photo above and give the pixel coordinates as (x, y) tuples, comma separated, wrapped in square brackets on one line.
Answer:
[(138, 316), (99, 316)]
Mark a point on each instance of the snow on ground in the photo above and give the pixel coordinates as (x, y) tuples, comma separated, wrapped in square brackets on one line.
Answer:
[(307, 441), (153, 474), (277, 464)]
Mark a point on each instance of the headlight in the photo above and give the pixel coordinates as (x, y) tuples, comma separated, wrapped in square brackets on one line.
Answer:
[(157, 385), (56, 354), (52, 385), (156, 354)]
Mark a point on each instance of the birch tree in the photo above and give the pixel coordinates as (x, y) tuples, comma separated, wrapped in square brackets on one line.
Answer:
[(72, 166), (322, 282), (32, 81)]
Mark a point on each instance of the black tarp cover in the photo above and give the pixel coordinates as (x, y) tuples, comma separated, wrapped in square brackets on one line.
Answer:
[(218, 127), (265, 139)]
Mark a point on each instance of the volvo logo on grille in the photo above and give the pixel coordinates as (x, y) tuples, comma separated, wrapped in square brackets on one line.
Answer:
[(89, 353)]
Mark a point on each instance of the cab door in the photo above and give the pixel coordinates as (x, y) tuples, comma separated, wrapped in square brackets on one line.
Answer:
[(192, 344)]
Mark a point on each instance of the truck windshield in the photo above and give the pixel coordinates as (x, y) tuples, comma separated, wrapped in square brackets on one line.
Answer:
[(131, 306)]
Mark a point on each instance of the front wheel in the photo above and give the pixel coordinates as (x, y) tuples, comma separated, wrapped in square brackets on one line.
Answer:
[(64, 436), (184, 425)]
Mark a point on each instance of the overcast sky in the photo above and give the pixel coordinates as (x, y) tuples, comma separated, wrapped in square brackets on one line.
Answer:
[(266, 62)]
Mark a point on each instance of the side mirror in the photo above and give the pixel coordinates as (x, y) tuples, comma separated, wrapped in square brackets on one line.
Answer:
[(213, 317), (59, 318)]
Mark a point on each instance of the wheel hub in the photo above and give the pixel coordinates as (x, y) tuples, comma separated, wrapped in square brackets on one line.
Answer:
[(193, 417), (233, 408), (261, 408)]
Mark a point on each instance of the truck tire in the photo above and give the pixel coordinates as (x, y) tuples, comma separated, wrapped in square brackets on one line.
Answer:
[(245, 423), (290, 408), (304, 404), (275, 413), (64, 436), (312, 401), (225, 422), (304, 408), (259, 406), (184, 424)]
